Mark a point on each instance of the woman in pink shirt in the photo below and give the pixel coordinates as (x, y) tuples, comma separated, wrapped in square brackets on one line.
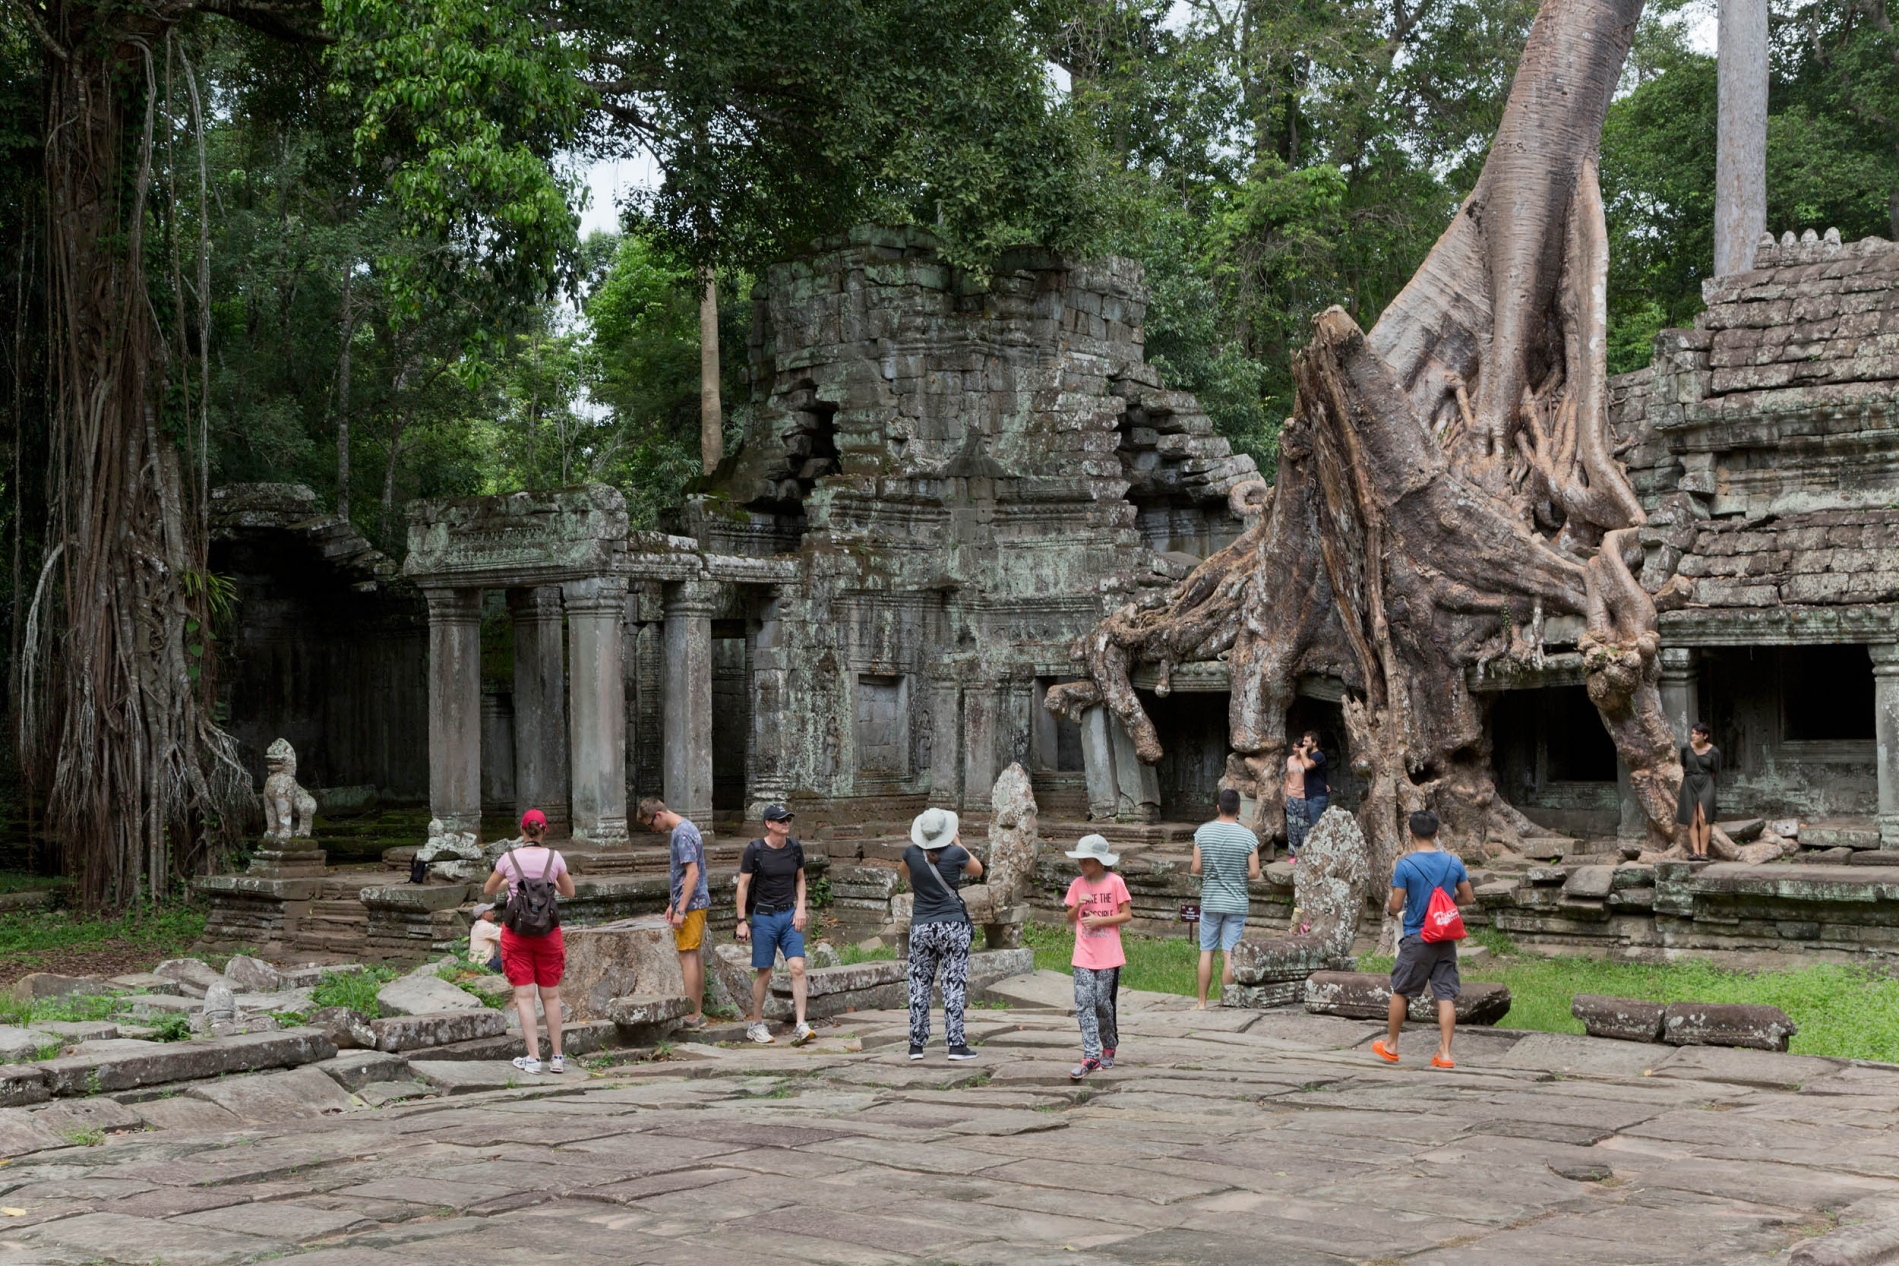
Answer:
[(1097, 907)]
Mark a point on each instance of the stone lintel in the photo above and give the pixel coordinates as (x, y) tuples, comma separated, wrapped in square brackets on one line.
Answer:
[(301, 889), (1781, 625)]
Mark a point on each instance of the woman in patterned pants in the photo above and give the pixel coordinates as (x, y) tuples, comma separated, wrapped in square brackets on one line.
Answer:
[(940, 930)]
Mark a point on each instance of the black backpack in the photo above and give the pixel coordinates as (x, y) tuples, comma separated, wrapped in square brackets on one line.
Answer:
[(532, 909)]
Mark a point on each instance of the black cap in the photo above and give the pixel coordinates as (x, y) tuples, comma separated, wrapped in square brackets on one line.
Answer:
[(777, 813)]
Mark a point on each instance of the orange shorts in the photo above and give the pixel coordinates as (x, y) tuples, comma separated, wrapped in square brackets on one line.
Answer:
[(691, 934)]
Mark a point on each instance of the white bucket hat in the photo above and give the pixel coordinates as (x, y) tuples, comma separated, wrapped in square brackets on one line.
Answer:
[(933, 829), (1095, 846)]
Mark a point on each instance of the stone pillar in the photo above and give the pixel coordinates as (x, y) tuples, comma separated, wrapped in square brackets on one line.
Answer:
[(1681, 689), (596, 712), (1740, 156), (1138, 784), (946, 740), (1886, 729), (1631, 818), (497, 750), (540, 706), (767, 771), (688, 694), (455, 708), (982, 720), (1097, 763)]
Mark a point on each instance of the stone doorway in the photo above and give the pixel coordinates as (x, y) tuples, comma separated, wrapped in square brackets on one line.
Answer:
[(731, 717)]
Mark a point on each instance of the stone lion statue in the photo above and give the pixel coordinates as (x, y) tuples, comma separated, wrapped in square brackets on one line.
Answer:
[(289, 810)]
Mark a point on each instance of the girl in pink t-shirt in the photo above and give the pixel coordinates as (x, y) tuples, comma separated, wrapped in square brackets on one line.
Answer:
[(1097, 907)]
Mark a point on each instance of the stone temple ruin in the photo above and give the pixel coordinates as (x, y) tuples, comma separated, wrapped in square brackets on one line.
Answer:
[(946, 481)]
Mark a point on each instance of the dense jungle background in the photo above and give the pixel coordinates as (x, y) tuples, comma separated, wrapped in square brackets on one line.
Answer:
[(337, 244)]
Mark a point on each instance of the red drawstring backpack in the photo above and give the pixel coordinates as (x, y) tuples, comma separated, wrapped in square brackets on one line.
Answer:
[(1442, 922)]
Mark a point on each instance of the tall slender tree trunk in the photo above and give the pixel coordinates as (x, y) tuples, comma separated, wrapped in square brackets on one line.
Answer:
[(142, 785), (711, 415), (342, 391)]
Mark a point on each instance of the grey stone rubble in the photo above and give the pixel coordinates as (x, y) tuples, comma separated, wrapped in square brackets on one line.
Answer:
[(1225, 1136)]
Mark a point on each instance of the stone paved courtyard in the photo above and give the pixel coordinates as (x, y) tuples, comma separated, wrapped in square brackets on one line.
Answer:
[(1226, 1137)]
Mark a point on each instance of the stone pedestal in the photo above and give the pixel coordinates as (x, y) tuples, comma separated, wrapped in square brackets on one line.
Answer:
[(287, 859), (1681, 689), (614, 960), (688, 694), (540, 706), (455, 708), (1886, 730), (596, 609)]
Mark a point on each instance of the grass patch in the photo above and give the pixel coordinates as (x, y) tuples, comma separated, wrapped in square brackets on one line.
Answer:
[(1162, 964), (852, 954), (353, 989), (27, 937), (26, 881)]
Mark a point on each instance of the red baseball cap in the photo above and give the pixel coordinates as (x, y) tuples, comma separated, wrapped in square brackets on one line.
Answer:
[(533, 817)]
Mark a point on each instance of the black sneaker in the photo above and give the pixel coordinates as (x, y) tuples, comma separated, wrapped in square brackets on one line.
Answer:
[(961, 1052), (916, 1052)]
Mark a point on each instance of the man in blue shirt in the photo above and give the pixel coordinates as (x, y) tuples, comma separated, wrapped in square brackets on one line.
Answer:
[(1424, 964)]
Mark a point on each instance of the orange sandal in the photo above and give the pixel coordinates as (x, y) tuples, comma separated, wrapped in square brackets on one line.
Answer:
[(1379, 1049), (1438, 1061)]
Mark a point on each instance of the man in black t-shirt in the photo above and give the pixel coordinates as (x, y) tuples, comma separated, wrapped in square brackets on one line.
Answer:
[(771, 915)]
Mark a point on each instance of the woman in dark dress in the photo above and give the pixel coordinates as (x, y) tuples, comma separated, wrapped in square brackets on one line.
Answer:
[(1700, 762)]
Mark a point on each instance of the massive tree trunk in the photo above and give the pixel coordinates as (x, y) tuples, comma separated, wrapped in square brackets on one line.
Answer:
[(116, 724), (1447, 483)]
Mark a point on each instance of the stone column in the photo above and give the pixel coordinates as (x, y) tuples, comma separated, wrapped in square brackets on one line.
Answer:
[(1886, 729), (497, 750), (540, 706), (1631, 818), (455, 708), (688, 694), (1681, 689), (1138, 784), (767, 762), (1740, 156), (1097, 763), (596, 609), (982, 720)]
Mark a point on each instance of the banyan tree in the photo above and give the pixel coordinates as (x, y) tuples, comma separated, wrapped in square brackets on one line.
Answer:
[(1447, 483)]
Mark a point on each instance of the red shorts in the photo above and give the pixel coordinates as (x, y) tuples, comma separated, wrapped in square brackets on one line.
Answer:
[(533, 960)]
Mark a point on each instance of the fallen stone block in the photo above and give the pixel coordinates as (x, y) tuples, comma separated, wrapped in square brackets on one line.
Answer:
[(1589, 882), (1259, 997), (823, 981), (145, 982), (425, 995), (108, 1045), (298, 1094), (193, 974), (416, 1032), (619, 959), (1867, 1244), (1367, 996), (504, 1046), (495, 989), (1757, 1027), (18, 1045), (81, 1030), (246, 974), (348, 1029), (1286, 959), (1786, 828), (150, 1006), (1744, 830), (352, 1070), (1625, 1019), (312, 976), (460, 1077), (45, 984), (644, 1019), (192, 1060), (22, 1084)]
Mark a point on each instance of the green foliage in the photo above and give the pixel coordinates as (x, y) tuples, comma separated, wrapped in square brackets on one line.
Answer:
[(818, 892), (354, 989), (83, 1135), (851, 955), (170, 1028), (163, 929)]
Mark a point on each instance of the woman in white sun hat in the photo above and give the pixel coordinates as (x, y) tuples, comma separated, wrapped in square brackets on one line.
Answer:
[(940, 931), (1098, 904)]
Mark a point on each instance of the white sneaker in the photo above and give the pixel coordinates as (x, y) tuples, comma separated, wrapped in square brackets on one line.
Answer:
[(760, 1034), (527, 1063), (557, 1065), (801, 1034)]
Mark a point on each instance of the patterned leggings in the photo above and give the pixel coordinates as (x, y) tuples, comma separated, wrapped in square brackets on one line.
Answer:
[(1095, 992), (931, 944)]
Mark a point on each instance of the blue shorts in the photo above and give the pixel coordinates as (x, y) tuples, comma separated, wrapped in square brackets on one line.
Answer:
[(1220, 931), (771, 933)]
